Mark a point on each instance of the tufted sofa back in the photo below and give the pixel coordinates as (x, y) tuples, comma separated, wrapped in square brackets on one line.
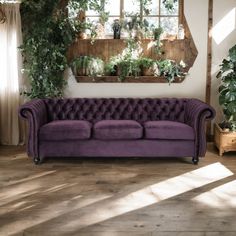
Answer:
[(95, 109)]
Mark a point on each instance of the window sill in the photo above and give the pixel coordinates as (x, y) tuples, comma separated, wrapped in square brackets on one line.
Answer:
[(123, 39)]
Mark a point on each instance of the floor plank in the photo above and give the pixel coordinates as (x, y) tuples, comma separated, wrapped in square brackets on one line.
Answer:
[(117, 196)]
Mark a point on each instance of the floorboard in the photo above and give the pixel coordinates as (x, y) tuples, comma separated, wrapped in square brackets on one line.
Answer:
[(117, 196)]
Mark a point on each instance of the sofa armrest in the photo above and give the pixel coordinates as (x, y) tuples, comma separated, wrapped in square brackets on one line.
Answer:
[(196, 114), (36, 114)]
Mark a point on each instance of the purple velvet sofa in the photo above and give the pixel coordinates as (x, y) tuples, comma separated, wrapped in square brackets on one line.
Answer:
[(118, 127)]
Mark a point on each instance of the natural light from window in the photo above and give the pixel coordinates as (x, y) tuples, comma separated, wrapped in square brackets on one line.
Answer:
[(224, 27), (153, 194), (221, 197), (113, 205), (159, 15)]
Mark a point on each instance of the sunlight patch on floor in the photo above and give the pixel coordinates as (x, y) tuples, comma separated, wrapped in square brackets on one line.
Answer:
[(223, 196), (79, 213), (153, 194), (45, 214), (224, 27)]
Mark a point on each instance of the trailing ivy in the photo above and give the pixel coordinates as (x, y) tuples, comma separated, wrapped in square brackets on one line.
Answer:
[(48, 32)]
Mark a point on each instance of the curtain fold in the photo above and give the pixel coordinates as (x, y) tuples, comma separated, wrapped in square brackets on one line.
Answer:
[(11, 78)]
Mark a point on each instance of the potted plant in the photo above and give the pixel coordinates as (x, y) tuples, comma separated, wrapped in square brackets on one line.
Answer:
[(79, 65), (225, 135), (95, 67), (87, 66), (157, 32), (170, 69), (136, 26), (146, 66)]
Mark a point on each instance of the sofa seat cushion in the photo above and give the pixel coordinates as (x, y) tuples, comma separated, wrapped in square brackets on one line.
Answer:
[(65, 130), (117, 129), (168, 130)]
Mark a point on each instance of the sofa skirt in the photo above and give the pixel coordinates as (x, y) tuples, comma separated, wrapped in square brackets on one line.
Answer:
[(118, 148)]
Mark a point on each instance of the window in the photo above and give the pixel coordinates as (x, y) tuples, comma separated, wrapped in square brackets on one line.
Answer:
[(158, 14)]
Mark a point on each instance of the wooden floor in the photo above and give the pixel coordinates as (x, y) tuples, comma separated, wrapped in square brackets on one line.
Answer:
[(117, 197)]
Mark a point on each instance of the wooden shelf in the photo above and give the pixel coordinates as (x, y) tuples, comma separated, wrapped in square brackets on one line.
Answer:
[(131, 79)]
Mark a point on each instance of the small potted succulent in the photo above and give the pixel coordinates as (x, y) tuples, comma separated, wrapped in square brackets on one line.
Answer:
[(225, 132)]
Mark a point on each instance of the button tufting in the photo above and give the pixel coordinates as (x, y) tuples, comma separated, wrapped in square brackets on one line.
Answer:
[(116, 108)]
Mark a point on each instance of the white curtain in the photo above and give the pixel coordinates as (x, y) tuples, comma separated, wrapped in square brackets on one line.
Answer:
[(11, 79)]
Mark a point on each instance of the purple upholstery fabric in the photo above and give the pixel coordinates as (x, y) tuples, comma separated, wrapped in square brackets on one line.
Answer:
[(191, 112), (65, 130), (96, 109), (118, 148), (196, 115), (117, 130), (168, 130), (36, 114)]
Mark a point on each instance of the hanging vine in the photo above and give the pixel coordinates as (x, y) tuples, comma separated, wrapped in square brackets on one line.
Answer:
[(48, 32)]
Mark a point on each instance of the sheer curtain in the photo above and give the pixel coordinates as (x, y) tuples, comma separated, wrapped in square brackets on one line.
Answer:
[(11, 78)]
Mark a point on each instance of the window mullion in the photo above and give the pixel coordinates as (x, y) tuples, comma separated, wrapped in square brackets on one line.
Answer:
[(121, 9)]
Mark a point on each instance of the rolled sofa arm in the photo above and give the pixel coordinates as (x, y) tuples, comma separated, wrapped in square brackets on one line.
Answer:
[(36, 114), (196, 114)]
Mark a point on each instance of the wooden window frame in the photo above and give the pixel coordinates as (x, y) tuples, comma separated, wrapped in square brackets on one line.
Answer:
[(180, 14)]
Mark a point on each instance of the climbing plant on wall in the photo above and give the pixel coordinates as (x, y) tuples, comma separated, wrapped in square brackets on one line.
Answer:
[(47, 34), (46, 37)]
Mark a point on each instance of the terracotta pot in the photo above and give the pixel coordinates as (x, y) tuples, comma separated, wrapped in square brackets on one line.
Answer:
[(82, 35)]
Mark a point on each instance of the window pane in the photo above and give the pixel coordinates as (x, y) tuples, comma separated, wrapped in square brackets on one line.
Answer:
[(169, 25), (91, 13), (93, 20), (131, 6), (154, 7), (108, 25), (152, 21), (113, 7), (174, 11)]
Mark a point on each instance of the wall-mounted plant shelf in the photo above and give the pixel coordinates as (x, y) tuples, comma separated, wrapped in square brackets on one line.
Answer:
[(130, 79), (176, 50)]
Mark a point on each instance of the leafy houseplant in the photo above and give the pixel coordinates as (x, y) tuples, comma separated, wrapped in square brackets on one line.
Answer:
[(170, 69), (45, 43), (227, 90), (87, 66), (95, 67), (48, 31), (80, 65), (157, 32), (146, 66), (136, 26), (127, 63)]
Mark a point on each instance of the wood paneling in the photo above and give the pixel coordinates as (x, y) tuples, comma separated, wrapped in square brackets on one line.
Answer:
[(106, 48)]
